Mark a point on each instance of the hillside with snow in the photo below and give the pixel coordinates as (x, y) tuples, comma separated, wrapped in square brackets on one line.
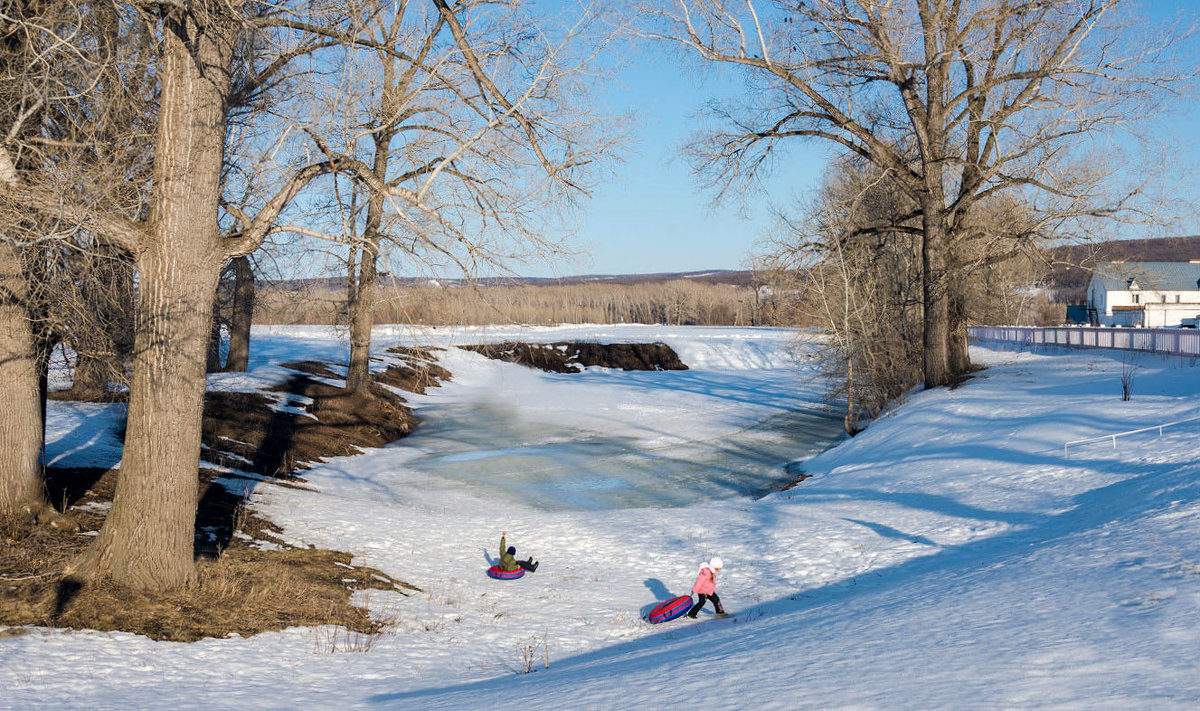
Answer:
[(951, 556)]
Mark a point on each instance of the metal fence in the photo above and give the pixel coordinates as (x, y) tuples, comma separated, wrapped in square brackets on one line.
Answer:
[(1167, 341), (1113, 437)]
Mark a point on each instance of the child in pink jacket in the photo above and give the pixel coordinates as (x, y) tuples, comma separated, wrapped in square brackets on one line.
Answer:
[(706, 587)]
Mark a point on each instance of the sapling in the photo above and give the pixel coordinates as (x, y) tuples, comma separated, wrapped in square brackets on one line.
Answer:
[(1129, 368)]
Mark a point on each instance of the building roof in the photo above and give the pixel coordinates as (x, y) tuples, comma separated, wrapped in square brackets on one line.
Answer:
[(1149, 276)]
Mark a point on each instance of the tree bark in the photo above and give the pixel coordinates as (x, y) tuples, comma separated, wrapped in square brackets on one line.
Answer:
[(363, 294), (958, 357), (362, 319), (21, 431), (212, 353), (238, 358), (22, 424), (935, 336), (147, 541)]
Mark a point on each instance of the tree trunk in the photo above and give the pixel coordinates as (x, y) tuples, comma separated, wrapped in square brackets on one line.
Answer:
[(959, 357), (21, 429), (212, 353), (362, 301), (850, 421), (362, 319), (238, 358), (147, 541), (935, 337)]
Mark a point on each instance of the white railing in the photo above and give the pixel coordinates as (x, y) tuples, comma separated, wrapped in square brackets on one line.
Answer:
[(1113, 437), (1167, 341)]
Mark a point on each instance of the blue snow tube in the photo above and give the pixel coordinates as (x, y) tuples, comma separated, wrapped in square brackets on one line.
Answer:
[(495, 572), (669, 609)]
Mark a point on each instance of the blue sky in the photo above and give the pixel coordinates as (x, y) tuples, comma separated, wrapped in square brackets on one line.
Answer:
[(654, 216)]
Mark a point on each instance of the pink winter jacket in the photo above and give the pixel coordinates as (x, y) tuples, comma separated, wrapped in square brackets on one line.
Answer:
[(706, 581)]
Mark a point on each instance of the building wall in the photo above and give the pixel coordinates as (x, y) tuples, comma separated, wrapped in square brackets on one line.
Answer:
[(1142, 307), (1159, 315)]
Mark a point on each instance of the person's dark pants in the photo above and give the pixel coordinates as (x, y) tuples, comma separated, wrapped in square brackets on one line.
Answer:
[(700, 603), (529, 565)]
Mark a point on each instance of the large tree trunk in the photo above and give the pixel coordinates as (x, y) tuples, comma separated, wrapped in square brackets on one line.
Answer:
[(21, 429), (147, 540), (238, 358), (935, 338), (362, 301)]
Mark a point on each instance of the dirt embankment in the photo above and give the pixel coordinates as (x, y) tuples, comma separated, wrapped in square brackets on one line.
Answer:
[(250, 580), (572, 357)]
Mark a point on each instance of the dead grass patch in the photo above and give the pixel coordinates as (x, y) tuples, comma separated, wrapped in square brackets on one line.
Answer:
[(245, 591), (249, 580), (242, 588)]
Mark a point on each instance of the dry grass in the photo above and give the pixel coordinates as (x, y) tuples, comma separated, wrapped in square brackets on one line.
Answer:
[(246, 590), (679, 301), (248, 579)]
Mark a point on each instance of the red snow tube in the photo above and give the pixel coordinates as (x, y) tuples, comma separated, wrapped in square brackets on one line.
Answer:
[(495, 572), (669, 609)]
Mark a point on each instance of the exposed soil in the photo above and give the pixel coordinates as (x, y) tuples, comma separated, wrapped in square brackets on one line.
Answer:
[(109, 396), (418, 371), (249, 579), (315, 420), (572, 357)]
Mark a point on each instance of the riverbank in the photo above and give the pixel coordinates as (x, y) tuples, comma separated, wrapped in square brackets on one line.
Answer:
[(948, 556)]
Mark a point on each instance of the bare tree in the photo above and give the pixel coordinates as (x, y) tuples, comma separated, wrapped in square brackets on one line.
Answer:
[(147, 539), (466, 131), (854, 261), (60, 89), (991, 96), (20, 418), (182, 239)]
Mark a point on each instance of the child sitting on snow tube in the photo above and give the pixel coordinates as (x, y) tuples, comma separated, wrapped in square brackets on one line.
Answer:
[(508, 557)]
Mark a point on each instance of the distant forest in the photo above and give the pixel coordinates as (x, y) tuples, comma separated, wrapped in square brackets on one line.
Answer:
[(716, 299), (711, 298)]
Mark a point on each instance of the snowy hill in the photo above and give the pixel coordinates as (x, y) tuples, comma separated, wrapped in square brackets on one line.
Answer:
[(951, 556)]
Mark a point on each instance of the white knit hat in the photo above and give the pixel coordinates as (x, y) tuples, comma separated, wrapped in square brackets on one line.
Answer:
[(716, 563)]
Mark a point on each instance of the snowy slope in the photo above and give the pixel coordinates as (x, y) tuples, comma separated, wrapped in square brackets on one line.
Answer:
[(951, 556)]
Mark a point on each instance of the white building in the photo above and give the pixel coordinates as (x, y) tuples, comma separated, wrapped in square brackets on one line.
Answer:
[(1150, 294)]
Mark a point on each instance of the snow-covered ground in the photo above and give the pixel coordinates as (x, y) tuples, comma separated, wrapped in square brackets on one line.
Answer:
[(951, 556)]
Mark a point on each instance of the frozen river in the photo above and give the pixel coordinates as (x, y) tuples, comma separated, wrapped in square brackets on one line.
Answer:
[(734, 424), (554, 468)]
